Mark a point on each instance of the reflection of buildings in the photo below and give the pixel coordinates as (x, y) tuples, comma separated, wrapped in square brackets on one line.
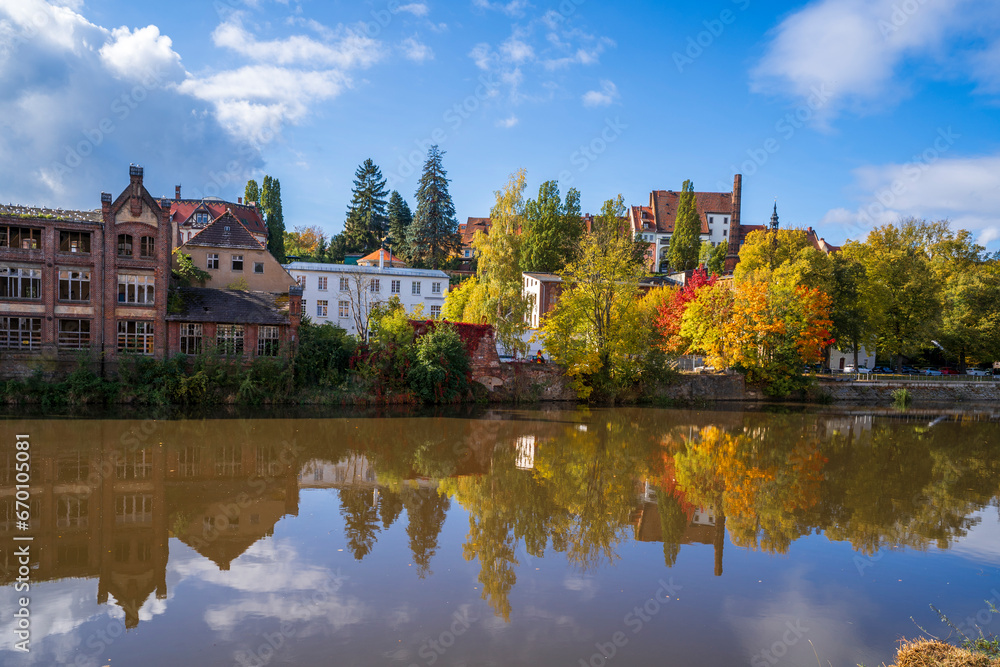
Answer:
[(107, 512), (701, 524), (526, 450)]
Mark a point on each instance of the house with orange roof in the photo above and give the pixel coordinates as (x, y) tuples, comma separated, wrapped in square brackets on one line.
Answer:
[(189, 217), (382, 258)]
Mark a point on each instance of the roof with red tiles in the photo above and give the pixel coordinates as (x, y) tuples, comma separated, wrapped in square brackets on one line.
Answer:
[(663, 208), (468, 229), (182, 211), (226, 231), (372, 259)]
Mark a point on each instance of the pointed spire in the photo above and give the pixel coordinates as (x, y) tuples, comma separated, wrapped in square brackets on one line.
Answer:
[(774, 216)]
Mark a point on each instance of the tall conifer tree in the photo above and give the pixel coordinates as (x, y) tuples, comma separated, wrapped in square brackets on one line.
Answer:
[(685, 242), (400, 219), (270, 204), (366, 216), (434, 233)]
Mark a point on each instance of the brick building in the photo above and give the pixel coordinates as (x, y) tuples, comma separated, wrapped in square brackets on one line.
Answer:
[(91, 280)]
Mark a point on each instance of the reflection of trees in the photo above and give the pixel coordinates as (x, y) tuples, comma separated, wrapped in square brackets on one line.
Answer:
[(389, 507), (673, 523), (360, 520), (425, 510)]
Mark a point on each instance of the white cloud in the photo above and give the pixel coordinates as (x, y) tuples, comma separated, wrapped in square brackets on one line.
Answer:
[(858, 49), (965, 190), (346, 48), (508, 122), (514, 8), (256, 100), (416, 51), (517, 51), (137, 55), (415, 8), (607, 95)]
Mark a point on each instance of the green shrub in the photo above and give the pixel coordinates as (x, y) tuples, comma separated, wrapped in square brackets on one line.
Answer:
[(323, 355), (440, 366)]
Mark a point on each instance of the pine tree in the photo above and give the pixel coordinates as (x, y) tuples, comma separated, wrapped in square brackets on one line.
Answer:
[(434, 233), (685, 242), (252, 192), (551, 229), (270, 204), (400, 219), (366, 222)]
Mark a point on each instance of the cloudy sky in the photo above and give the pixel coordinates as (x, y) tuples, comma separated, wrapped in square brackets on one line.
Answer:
[(850, 112)]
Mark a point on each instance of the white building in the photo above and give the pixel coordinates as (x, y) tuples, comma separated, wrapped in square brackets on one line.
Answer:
[(344, 294)]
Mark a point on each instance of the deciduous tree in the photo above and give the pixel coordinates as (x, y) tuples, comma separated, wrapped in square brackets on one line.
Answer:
[(551, 229), (685, 242)]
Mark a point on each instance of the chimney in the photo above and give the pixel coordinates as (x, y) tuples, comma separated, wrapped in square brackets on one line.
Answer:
[(239, 200), (135, 173), (177, 192), (381, 259), (105, 202)]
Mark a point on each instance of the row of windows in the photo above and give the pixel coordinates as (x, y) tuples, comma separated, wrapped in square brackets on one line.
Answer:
[(344, 309), (126, 246), (236, 263), (230, 339), (74, 285), (374, 285), (29, 238)]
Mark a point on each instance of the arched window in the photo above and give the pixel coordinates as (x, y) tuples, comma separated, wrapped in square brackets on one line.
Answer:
[(124, 245)]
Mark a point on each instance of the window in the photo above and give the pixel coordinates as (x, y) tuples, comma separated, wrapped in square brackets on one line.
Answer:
[(229, 338), (213, 260), (321, 283), (467, 251), (25, 238), (20, 333), (74, 285), (343, 309), (321, 307), (258, 267), (146, 245), (345, 285), (415, 287), (237, 262), (134, 508), (201, 218), (189, 462), (711, 219), (124, 245), (304, 308), (435, 288), (267, 341), (135, 336), (394, 287), (134, 288), (190, 338), (74, 334), (71, 512), (74, 242), (376, 285), (20, 283), (435, 312), (301, 281), (134, 464)]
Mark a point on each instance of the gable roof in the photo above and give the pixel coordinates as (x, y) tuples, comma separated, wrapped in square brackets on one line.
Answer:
[(468, 229), (390, 259), (226, 231), (182, 212), (663, 207), (206, 304)]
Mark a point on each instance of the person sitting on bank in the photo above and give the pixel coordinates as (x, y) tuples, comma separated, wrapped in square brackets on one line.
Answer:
[(539, 359)]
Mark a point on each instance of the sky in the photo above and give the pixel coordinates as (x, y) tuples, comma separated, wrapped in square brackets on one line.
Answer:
[(848, 113)]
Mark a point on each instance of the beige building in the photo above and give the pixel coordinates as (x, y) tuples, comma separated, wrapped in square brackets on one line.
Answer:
[(235, 259)]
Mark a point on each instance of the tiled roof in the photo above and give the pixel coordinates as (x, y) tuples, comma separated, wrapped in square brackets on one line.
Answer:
[(389, 258), (373, 270), (820, 243), (663, 205), (226, 231), (50, 213), (205, 304), (468, 229), (181, 211)]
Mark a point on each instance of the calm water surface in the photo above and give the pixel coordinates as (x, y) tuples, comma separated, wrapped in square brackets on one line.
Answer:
[(506, 537)]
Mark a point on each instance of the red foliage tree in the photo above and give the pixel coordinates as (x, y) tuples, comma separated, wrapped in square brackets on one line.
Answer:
[(668, 321)]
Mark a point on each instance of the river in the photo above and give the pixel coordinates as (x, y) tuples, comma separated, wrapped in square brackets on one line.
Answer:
[(594, 537)]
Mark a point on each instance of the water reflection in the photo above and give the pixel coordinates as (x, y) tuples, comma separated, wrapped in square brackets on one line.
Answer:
[(107, 496)]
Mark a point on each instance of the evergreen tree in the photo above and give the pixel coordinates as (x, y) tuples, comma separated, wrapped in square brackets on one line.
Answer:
[(400, 219), (685, 242), (434, 233), (270, 204), (551, 229), (366, 219), (252, 192)]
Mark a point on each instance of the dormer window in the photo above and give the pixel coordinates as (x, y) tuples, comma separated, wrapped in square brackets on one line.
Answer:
[(201, 218)]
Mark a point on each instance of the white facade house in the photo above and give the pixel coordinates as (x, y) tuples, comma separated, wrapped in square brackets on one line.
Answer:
[(340, 293)]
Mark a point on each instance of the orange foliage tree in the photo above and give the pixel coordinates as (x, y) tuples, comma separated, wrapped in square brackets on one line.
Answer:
[(671, 313)]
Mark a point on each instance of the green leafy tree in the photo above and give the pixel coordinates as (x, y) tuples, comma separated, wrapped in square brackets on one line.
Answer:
[(716, 264), (440, 366), (186, 271), (595, 329), (501, 300), (270, 202), (400, 219), (251, 193), (784, 255), (848, 310), (433, 235), (457, 299), (551, 229), (685, 242), (366, 222)]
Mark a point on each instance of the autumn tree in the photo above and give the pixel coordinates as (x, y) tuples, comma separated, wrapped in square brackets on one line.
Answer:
[(671, 313), (595, 328), (501, 300), (783, 255), (551, 229), (685, 242)]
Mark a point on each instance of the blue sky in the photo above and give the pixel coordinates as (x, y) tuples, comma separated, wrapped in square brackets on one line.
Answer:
[(850, 112)]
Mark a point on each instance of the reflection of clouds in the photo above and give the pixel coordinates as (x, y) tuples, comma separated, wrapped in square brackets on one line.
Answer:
[(585, 585), (982, 541), (266, 567), (802, 613)]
